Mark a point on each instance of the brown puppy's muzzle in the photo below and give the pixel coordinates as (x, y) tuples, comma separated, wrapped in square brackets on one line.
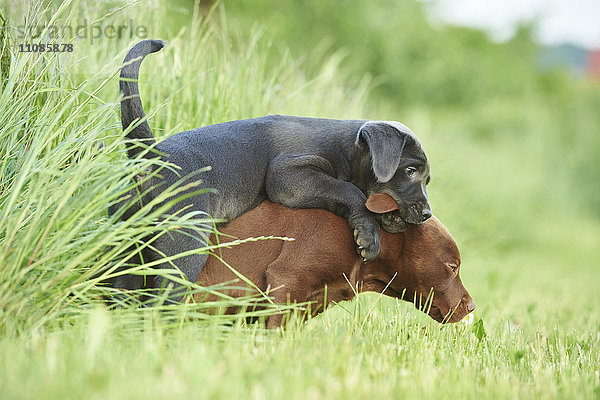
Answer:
[(453, 314)]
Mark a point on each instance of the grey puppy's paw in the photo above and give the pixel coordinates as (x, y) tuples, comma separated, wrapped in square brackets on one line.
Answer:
[(367, 239)]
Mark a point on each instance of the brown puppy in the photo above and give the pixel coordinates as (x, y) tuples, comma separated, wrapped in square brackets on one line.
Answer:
[(411, 264)]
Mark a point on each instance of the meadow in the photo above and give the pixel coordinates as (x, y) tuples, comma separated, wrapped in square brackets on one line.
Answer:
[(514, 155)]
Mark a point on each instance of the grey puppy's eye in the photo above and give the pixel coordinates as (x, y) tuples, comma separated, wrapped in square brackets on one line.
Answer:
[(410, 171)]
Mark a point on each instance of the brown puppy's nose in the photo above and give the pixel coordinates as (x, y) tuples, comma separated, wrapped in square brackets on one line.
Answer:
[(426, 213), (471, 306)]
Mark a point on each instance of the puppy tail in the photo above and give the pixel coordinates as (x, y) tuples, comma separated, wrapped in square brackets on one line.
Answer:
[(131, 104)]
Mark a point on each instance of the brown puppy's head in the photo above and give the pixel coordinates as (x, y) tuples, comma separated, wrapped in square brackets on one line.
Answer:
[(429, 261)]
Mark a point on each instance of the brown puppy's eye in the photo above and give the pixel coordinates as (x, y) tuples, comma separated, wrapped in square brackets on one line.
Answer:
[(453, 267), (410, 171)]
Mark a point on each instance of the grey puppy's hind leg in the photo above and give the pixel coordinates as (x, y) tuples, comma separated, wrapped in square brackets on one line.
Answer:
[(307, 181), (188, 267)]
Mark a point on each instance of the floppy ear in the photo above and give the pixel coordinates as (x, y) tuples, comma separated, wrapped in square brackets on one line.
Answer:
[(381, 203), (386, 141)]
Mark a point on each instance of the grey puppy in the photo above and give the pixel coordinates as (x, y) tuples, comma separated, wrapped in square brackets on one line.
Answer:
[(297, 162)]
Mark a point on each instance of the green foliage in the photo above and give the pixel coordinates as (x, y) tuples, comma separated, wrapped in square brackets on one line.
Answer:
[(391, 352), (56, 241), (479, 330), (4, 50), (414, 63)]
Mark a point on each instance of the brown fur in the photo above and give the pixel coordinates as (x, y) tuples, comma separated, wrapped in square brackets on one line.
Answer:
[(324, 250)]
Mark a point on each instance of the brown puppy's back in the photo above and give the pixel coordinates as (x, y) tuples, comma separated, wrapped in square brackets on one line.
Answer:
[(329, 235)]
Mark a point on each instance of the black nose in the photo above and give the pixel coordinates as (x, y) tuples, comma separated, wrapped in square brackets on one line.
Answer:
[(426, 214)]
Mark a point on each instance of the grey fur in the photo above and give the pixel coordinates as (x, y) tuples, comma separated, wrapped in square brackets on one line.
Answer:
[(295, 161)]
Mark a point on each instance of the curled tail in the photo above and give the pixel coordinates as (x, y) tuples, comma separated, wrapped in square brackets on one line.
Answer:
[(131, 104)]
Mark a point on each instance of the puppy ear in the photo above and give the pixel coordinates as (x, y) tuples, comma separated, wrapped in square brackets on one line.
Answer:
[(381, 203), (386, 141)]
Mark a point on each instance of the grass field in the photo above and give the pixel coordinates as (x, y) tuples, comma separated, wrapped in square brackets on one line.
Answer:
[(502, 184)]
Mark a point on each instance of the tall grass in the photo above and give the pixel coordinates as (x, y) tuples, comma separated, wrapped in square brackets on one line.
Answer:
[(397, 353), (57, 183)]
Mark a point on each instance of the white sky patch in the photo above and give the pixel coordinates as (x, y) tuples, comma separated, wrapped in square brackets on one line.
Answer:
[(556, 21)]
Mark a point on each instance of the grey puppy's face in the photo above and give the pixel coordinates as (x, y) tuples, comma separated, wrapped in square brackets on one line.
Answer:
[(411, 194), (401, 169)]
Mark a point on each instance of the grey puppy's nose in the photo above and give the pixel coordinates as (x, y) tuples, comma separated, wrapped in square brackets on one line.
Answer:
[(426, 213)]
